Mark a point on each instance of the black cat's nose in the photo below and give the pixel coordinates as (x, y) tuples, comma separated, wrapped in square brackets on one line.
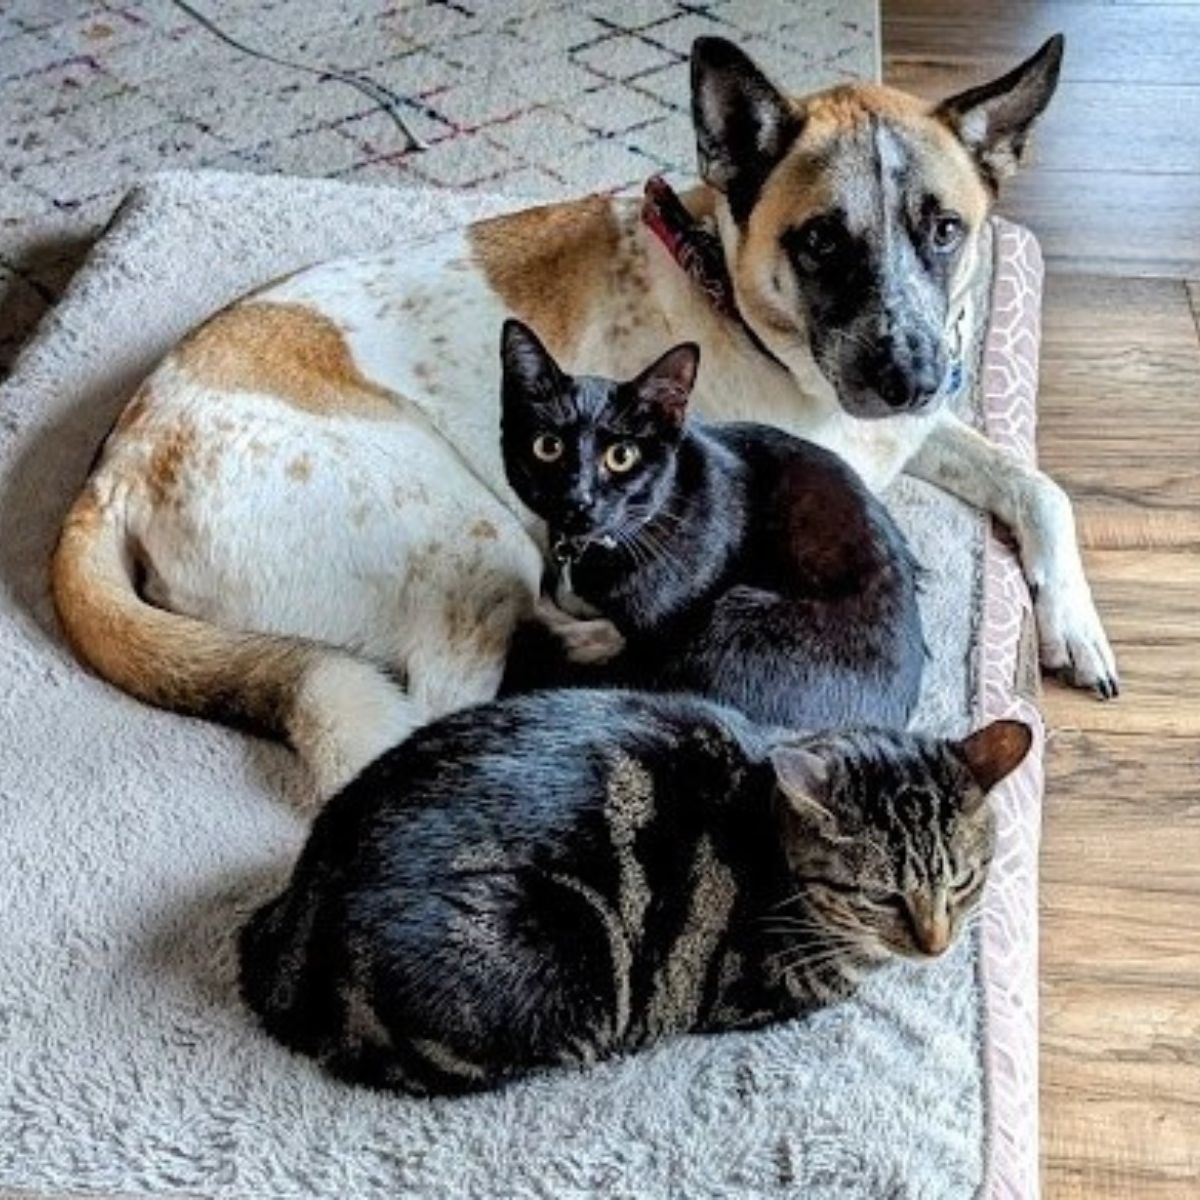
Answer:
[(576, 515)]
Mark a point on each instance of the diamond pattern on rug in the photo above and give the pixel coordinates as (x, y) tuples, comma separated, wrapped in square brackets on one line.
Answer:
[(542, 98)]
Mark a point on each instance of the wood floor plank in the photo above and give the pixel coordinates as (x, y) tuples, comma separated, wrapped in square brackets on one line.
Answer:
[(1114, 43), (1118, 1148), (1113, 191), (1149, 596), (1114, 184), (1111, 222), (1151, 607), (1155, 682), (1119, 405), (1123, 813), (1086, 127), (1094, 932), (1120, 1003)]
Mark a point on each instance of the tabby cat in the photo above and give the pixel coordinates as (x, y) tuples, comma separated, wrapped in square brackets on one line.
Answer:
[(561, 877), (735, 560)]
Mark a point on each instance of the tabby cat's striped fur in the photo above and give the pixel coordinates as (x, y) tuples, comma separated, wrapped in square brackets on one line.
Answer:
[(566, 876)]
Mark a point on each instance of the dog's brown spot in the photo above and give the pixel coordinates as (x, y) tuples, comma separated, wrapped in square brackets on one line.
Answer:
[(550, 264), (360, 514), (300, 469), (165, 466), (484, 530), (404, 495), (843, 109), (288, 351)]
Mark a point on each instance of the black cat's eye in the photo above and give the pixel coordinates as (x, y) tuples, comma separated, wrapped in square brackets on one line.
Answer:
[(946, 231), (621, 457), (547, 447)]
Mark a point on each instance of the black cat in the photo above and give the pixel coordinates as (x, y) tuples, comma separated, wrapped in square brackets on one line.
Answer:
[(737, 561), (565, 876)]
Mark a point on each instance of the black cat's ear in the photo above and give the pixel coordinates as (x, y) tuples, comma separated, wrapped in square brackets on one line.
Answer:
[(527, 364), (995, 751), (993, 120), (803, 778), (744, 124), (666, 384)]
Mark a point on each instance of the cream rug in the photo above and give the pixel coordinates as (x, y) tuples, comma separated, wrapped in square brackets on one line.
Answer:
[(134, 841), (528, 97)]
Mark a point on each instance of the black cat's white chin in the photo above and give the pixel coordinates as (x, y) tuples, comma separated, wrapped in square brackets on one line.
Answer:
[(566, 549)]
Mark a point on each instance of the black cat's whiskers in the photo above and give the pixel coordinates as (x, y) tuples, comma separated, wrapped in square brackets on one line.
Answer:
[(626, 541), (661, 552)]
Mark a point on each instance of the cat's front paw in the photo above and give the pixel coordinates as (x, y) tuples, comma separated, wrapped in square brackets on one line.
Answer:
[(586, 642)]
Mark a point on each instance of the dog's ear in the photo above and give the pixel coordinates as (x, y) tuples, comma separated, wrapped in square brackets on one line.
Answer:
[(528, 366), (993, 120), (744, 124)]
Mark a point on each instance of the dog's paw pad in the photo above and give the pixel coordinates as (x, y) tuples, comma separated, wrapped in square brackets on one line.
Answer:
[(1073, 642)]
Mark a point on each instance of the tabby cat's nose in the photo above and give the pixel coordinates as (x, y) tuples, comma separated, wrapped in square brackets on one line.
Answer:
[(930, 924), (934, 937)]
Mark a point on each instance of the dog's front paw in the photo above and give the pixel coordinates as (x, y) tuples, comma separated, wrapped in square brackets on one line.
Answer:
[(587, 641), (1072, 639)]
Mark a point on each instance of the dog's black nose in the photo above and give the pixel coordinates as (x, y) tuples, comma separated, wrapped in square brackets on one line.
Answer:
[(906, 376)]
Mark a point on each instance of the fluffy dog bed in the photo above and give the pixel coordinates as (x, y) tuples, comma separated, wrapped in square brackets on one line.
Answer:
[(134, 840)]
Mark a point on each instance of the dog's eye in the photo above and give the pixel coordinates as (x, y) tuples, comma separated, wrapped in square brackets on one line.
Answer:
[(947, 231), (621, 457), (821, 238), (547, 447)]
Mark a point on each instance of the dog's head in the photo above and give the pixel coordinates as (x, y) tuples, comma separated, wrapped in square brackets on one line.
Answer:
[(852, 216)]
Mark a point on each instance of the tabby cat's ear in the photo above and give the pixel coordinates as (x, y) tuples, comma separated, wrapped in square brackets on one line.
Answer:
[(527, 364), (666, 384), (995, 751), (803, 778)]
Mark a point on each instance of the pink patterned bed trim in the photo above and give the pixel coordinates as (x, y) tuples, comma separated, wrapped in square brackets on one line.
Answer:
[(1009, 930)]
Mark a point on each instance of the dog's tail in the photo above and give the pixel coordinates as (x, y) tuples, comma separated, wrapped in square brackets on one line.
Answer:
[(338, 711)]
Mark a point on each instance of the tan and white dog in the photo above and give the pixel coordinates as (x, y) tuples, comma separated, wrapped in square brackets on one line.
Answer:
[(301, 523)]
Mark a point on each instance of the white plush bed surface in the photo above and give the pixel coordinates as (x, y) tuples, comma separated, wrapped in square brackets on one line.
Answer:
[(135, 839)]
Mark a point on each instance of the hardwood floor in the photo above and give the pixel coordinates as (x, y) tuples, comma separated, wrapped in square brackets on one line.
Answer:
[(1114, 195), (1116, 187)]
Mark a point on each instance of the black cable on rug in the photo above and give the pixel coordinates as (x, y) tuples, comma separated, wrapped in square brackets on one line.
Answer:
[(384, 97)]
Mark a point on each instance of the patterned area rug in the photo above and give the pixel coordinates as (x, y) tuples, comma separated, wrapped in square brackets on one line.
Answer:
[(538, 98)]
